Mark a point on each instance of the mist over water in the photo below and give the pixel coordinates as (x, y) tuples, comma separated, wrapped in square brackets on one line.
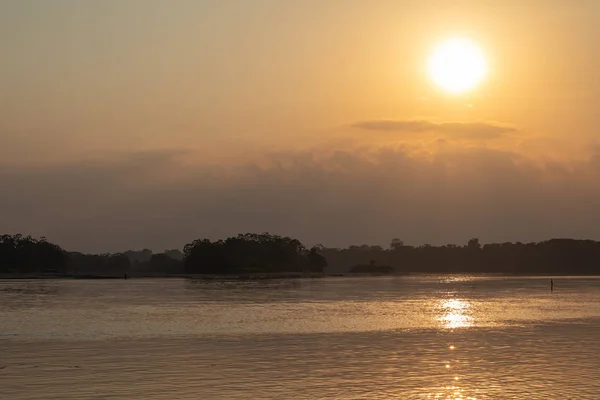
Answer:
[(445, 337)]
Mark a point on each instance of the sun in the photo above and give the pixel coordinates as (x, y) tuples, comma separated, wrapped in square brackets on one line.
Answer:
[(457, 65)]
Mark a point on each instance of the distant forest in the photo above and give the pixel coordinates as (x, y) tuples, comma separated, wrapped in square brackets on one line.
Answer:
[(271, 254), (243, 254)]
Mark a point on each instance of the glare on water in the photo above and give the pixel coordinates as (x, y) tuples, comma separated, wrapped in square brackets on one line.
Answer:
[(455, 314)]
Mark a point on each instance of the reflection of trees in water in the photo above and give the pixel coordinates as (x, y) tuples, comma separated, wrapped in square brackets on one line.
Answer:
[(247, 285), (243, 290), (44, 288)]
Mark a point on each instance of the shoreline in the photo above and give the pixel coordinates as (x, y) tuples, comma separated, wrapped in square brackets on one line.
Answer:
[(242, 277)]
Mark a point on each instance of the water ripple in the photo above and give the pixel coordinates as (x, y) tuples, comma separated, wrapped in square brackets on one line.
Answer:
[(383, 338)]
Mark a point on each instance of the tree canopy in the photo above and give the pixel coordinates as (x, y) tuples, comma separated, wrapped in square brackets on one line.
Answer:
[(555, 256), (250, 253), (25, 254), (267, 253)]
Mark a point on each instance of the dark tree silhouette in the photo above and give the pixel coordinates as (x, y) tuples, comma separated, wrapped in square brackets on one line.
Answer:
[(555, 256), (24, 254), (267, 253), (250, 253), (141, 256), (316, 262), (115, 265), (162, 263), (372, 268), (174, 254)]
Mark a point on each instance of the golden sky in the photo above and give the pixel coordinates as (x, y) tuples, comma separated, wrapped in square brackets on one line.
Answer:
[(209, 118)]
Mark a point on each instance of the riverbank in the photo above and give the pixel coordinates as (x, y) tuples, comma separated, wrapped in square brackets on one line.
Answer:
[(241, 277), (163, 276)]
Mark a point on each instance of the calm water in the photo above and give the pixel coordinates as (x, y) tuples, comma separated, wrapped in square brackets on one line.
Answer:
[(431, 337)]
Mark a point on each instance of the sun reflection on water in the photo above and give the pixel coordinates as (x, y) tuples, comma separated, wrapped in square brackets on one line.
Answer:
[(455, 314), (452, 393)]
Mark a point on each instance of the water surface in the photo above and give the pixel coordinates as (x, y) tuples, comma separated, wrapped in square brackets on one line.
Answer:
[(445, 337)]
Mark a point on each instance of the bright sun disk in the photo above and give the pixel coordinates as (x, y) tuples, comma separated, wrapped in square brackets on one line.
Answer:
[(457, 65)]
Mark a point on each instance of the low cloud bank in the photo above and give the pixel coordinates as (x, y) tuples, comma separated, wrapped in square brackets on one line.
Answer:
[(161, 200)]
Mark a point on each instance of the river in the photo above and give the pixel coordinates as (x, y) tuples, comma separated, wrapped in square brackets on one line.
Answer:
[(415, 337)]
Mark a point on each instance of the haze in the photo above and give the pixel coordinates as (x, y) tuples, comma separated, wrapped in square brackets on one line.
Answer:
[(146, 123)]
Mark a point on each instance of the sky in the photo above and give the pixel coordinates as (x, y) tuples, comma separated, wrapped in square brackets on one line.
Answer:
[(150, 123)]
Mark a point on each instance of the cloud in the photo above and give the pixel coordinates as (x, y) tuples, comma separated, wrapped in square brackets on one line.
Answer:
[(395, 125), (465, 130), (162, 200)]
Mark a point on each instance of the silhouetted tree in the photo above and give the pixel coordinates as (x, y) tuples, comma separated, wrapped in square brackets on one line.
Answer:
[(141, 256), (473, 244), (174, 254), (106, 264), (372, 268), (267, 253), (25, 254), (246, 253), (396, 244), (316, 261), (564, 256), (164, 264)]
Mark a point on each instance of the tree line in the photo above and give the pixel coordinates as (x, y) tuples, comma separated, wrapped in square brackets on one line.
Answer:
[(266, 254), (555, 256), (243, 254), (251, 253)]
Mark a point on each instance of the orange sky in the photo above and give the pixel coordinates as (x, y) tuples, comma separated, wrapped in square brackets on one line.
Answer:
[(111, 102)]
